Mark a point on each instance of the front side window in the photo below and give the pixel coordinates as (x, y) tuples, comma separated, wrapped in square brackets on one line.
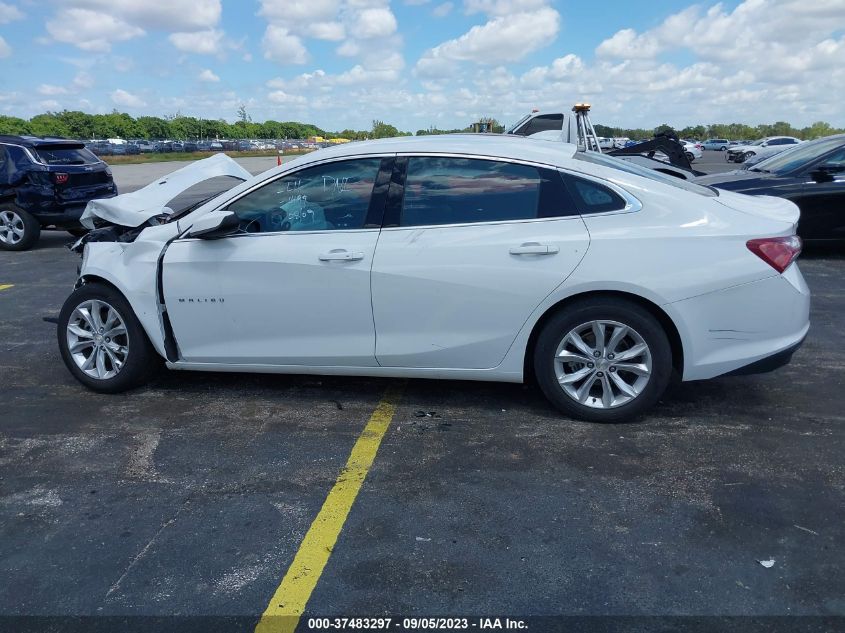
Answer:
[(334, 196), (444, 190)]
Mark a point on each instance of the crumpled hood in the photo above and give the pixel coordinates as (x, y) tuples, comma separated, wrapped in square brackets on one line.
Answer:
[(133, 209)]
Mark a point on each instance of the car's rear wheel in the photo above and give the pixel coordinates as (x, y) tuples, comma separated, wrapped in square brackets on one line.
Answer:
[(102, 342), (606, 360), (723, 148), (690, 156), (19, 231)]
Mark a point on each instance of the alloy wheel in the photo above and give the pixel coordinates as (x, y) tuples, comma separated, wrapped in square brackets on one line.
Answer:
[(97, 339), (11, 227), (603, 364)]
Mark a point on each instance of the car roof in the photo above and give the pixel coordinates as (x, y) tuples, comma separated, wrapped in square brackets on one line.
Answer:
[(37, 141), (508, 146)]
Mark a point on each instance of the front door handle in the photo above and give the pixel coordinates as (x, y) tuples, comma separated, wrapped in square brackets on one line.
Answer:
[(341, 255), (534, 248)]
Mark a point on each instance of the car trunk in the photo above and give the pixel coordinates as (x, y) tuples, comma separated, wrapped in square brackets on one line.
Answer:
[(766, 207)]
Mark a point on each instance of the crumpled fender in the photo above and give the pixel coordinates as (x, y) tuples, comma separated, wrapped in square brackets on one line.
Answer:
[(133, 209)]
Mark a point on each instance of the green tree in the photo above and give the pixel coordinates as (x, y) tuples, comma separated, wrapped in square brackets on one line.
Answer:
[(381, 129), (14, 125)]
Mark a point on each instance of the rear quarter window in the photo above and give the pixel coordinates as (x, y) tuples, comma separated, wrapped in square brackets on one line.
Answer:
[(593, 197)]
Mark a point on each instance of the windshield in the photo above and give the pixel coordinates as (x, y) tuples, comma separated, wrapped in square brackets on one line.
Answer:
[(65, 156), (637, 170), (798, 156)]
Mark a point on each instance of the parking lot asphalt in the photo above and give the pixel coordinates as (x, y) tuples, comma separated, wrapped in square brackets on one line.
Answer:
[(192, 496)]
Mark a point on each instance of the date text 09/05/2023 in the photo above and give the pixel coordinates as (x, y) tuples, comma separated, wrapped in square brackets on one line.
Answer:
[(415, 624)]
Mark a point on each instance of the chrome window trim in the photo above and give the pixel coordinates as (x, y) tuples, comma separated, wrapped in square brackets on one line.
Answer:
[(632, 204)]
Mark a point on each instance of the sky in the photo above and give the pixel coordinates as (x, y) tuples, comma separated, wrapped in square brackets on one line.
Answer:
[(422, 63)]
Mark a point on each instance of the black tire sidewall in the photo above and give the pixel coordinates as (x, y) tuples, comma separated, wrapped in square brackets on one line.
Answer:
[(142, 360), (31, 228), (609, 309)]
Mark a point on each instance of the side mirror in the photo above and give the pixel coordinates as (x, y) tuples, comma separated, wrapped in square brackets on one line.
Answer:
[(826, 171), (214, 225)]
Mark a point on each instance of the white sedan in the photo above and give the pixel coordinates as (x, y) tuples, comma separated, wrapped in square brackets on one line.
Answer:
[(459, 257), (692, 150)]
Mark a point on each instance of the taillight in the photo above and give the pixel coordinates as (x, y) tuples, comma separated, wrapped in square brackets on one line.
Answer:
[(61, 178), (777, 252)]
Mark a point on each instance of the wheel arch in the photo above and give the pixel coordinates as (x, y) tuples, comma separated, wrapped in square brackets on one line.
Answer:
[(153, 334), (666, 322)]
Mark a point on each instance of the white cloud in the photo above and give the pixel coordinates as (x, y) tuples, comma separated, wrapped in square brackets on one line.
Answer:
[(90, 30), (503, 7), (208, 75), (95, 25), (5, 49), (123, 98), (299, 11), (49, 90), (207, 42), (378, 22), (169, 15), (9, 12), (82, 81), (332, 31), (280, 96), (502, 39), (283, 47), (442, 10)]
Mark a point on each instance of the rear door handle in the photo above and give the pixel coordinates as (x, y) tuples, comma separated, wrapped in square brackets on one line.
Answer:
[(341, 255), (534, 248)]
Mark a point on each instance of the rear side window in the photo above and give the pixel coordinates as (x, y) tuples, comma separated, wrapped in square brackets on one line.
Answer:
[(593, 197), (65, 156), (445, 190)]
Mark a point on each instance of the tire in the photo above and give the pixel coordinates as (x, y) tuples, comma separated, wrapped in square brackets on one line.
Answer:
[(690, 156), (723, 148), (78, 232), (645, 385), (19, 231), (746, 156), (126, 359)]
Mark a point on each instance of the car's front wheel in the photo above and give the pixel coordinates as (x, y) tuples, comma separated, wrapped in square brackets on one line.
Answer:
[(102, 342), (747, 155), (19, 231), (605, 360)]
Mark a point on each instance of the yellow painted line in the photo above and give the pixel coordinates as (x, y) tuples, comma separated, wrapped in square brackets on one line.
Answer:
[(288, 603), (6, 286)]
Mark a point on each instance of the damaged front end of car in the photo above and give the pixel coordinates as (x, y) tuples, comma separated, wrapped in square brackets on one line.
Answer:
[(123, 218)]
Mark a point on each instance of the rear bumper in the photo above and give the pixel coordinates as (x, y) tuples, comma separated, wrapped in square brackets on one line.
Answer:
[(770, 363), (65, 214), (752, 327)]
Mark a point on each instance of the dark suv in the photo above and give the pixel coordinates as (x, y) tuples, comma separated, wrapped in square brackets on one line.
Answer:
[(46, 183)]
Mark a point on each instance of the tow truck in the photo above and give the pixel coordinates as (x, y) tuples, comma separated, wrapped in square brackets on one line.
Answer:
[(662, 153)]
